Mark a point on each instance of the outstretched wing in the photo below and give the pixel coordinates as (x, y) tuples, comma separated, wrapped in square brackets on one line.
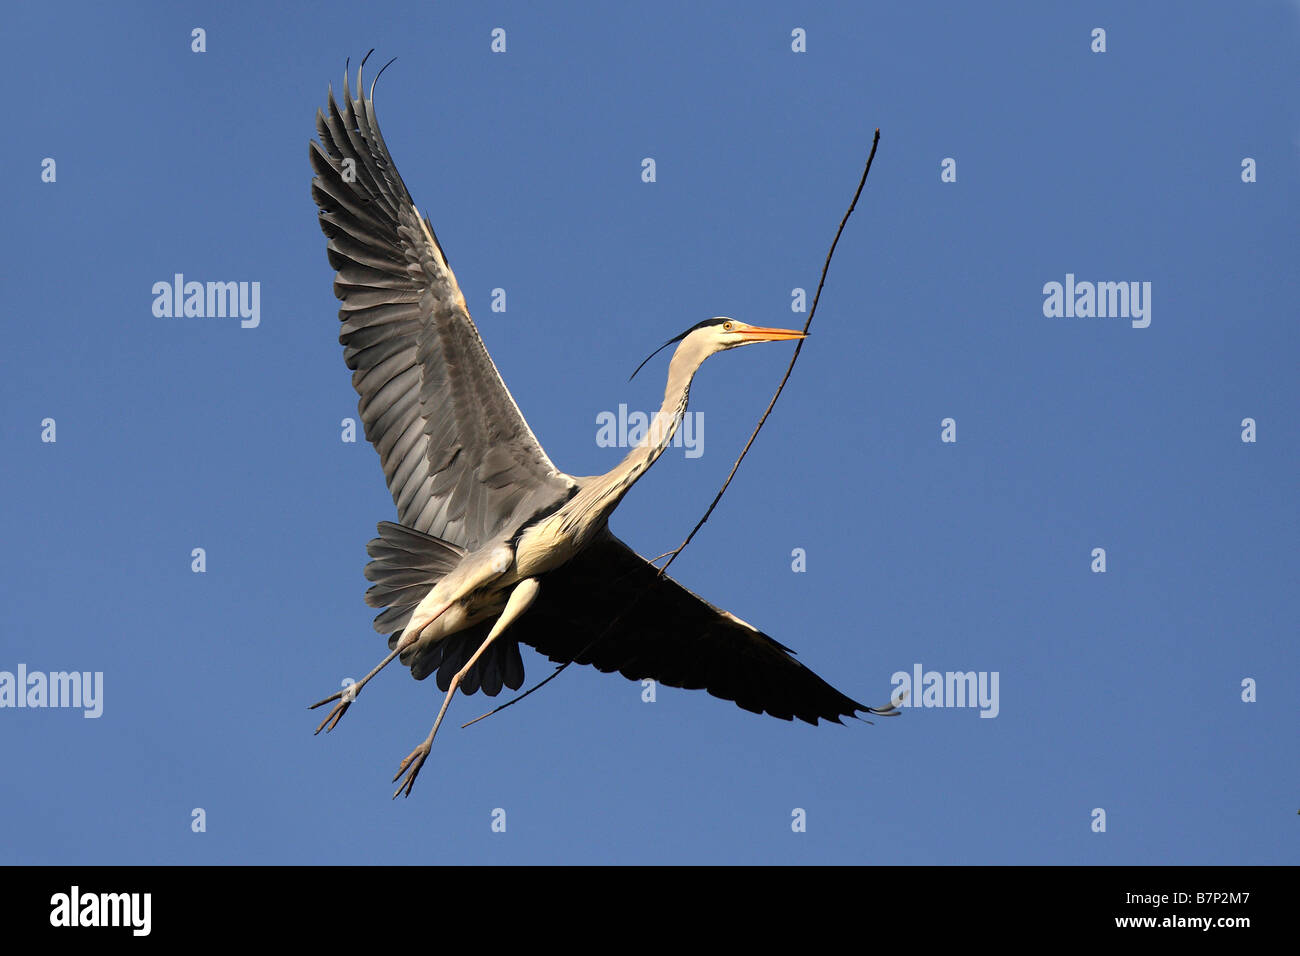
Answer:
[(663, 631), (461, 462)]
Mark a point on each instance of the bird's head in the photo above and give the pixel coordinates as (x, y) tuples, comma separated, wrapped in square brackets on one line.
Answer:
[(719, 334)]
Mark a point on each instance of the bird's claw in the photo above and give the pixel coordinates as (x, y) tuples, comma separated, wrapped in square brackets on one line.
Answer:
[(411, 765), (345, 697)]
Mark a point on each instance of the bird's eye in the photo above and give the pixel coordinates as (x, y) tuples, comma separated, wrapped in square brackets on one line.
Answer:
[(726, 326)]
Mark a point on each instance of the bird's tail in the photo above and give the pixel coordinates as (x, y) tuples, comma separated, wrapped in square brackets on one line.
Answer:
[(404, 565)]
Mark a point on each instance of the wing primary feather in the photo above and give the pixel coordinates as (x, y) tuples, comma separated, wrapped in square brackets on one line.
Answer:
[(460, 460)]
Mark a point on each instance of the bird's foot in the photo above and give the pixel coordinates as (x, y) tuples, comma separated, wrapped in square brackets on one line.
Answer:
[(345, 697), (412, 765)]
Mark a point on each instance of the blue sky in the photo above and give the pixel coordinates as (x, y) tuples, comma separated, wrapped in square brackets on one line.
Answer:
[(1119, 691)]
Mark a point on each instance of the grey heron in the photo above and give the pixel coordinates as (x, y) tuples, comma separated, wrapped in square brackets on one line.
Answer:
[(494, 546)]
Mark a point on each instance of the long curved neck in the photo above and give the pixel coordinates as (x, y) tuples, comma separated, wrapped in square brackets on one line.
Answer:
[(662, 427), (592, 505)]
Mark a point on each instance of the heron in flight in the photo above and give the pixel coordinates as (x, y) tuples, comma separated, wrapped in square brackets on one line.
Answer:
[(494, 546)]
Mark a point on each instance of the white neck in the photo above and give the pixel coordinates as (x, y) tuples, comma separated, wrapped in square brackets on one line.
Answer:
[(591, 506)]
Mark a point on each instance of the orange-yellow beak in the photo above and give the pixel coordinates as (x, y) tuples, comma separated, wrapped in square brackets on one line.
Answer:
[(756, 334)]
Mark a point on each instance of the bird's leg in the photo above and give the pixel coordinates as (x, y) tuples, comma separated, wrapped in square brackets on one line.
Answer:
[(435, 604), (519, 601), (348, 694)]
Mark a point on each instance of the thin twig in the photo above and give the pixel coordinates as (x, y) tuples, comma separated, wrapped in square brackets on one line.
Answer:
[(794, 358), (672, 555)]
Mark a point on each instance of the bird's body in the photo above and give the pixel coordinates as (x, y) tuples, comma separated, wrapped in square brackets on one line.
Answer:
[(494, 545)]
